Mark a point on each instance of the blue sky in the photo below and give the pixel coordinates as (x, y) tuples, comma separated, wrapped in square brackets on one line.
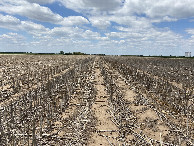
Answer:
[(136, 27)]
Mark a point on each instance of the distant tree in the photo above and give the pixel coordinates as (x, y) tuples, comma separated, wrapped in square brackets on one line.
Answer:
[(68, 53), (61, 52), (78, 53)]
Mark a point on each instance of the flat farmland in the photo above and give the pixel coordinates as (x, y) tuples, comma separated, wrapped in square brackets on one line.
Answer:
[(96, 100)]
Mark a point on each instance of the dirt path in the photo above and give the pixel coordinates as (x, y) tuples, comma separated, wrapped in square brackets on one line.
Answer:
[(106, 130)]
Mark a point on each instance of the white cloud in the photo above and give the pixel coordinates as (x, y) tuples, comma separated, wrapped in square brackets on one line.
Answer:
[(100, 22), (173, 8), (88, 34), (10, 41), (73, 33), (132, 20), (36, 12), (164, 9), (190, 31), (189, 43), (28, 25), (92, 6), (163, 19), (65, 32), (30, 10), (33, 28), (74, 20), (41, 1), (104, 5), (103, 22), (146, 39), (8, 36), (160, 10), (9, 22), (12, 23)]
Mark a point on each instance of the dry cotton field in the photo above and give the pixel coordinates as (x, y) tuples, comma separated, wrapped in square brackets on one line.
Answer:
[(91, 100)]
